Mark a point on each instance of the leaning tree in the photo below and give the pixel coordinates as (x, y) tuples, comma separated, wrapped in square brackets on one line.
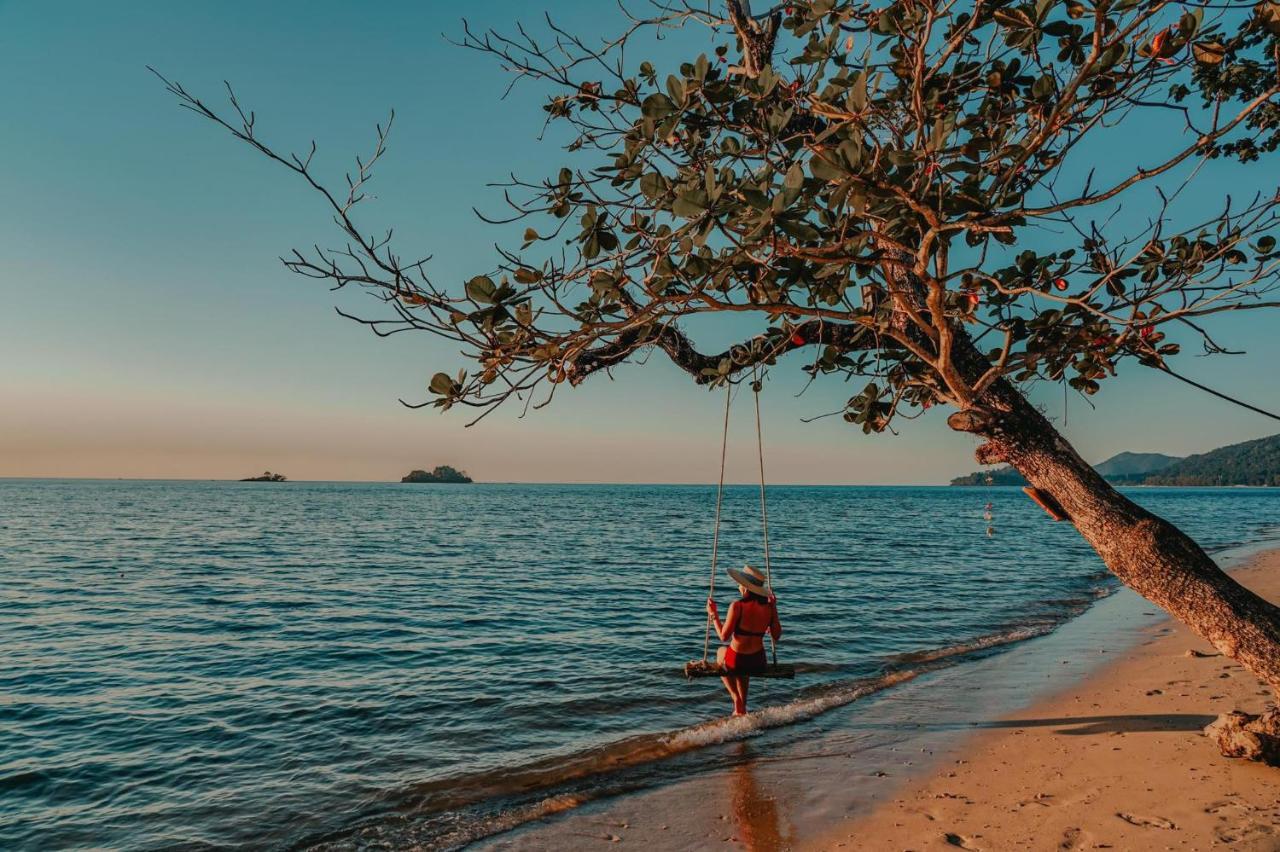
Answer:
[(899, 191)]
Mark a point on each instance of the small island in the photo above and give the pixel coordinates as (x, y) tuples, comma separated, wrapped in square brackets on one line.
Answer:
[(267, 476), (442, 473)]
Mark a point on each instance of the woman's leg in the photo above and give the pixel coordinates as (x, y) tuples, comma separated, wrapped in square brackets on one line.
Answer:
[(727, 681), (739, 696)]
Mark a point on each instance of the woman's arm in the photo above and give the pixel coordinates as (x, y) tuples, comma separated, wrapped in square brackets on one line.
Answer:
[(775, 626), (725, 630)]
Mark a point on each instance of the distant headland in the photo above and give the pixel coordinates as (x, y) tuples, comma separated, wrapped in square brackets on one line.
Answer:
[(1255, 463), (267, 476), (442, 473)]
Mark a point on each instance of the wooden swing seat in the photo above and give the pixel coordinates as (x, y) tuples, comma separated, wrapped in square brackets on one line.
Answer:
[(706, 668)]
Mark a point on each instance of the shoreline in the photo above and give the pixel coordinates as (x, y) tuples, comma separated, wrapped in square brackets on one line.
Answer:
[(877, 768), (1115, 761)]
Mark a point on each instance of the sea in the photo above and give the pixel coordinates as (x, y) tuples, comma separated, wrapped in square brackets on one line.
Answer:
[(217, 665)]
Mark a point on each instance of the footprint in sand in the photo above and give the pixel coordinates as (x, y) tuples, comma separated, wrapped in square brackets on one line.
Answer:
[(1227, 805), (1248, 830), (1075, 838)]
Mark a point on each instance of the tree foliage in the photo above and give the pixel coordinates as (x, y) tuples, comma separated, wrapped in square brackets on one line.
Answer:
[(874, 182)]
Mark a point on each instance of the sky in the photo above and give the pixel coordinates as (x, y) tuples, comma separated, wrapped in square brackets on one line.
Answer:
[(147, 328)]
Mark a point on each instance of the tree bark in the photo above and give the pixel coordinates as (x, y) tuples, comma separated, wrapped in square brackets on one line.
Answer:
[(1147, 553)]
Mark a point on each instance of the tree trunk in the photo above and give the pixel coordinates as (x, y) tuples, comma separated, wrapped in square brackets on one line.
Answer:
[(1148, 554)]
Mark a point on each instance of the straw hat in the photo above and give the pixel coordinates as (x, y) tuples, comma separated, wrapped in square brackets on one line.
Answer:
[(751, 579)]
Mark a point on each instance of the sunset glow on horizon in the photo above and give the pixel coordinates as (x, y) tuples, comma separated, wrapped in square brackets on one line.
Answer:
[(148, 330)]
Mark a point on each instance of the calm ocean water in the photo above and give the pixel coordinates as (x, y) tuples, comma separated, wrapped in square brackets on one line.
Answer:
[(227, 665)]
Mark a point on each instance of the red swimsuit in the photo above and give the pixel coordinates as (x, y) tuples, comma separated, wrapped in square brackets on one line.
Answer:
[(746, 664)]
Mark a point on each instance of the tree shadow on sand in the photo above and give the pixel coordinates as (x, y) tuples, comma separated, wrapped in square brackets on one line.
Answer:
[(1118, 724)]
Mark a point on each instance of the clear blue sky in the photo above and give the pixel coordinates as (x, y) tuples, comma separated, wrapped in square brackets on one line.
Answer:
[(147, 329)]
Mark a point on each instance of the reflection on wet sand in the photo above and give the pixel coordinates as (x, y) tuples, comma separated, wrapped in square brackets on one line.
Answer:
[(758, 825)]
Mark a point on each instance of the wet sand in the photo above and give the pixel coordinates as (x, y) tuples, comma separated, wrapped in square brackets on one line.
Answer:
[(1115, 762)]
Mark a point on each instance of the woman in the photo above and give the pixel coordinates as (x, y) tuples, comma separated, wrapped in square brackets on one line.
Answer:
[(749, 619)]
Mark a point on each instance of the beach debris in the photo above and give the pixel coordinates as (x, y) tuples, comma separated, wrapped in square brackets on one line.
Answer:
[(1147, 821), (1244, 735), (1192, 652), (959, 840)]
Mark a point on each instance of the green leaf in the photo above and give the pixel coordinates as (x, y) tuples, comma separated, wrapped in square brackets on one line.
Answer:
[(653, 185), (858, 92), (481, 289), (441, 383), (657, 106), (825, 166), (675, 88), (690, 204), (799, 230)]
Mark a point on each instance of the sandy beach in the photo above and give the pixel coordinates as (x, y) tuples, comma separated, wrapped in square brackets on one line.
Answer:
[(1116, 762)]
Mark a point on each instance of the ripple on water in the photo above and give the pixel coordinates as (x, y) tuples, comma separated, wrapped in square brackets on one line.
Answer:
[(213, 664)]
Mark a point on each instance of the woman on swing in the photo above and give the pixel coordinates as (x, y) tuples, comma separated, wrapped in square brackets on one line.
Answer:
[(750, 617)]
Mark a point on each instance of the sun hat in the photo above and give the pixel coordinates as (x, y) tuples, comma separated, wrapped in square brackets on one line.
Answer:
[(751, 579)]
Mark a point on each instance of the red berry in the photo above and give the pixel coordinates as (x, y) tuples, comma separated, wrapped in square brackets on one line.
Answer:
[(973, 298), (797, 339), (1060, 283)]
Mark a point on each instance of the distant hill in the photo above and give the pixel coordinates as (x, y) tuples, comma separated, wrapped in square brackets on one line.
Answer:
[(442, 473), (1133, 464), (1251, 463)]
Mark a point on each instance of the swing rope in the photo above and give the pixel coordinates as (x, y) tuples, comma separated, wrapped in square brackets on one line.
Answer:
[(715, 536), (764, 507)]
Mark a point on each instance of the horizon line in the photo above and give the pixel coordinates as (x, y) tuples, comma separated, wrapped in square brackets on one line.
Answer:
[(7, 478)]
